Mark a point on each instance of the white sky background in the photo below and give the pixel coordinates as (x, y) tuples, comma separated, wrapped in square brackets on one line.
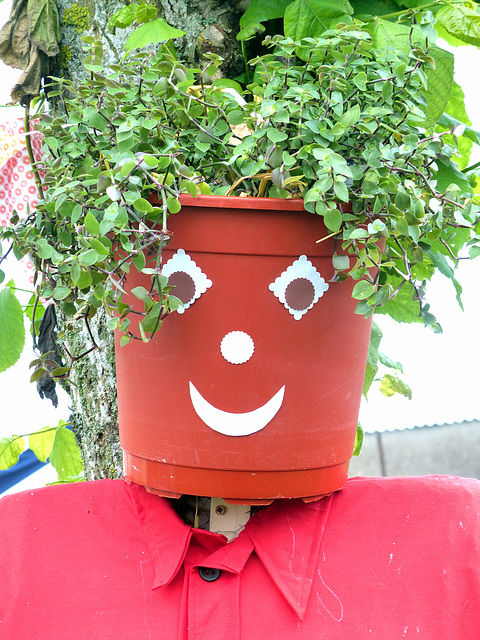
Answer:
[(443, 370)]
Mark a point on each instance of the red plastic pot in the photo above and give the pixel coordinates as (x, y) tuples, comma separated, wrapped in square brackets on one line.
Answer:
[(268, 412)]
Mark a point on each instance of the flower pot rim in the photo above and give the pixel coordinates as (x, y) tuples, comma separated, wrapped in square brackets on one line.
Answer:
[(239, 202)]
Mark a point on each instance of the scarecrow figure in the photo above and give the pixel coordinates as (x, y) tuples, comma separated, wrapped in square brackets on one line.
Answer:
[(245, 414)]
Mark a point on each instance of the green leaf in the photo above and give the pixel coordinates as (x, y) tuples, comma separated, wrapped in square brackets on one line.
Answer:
[(101, 245), (190, 187), (375, 7), (333, 219), (441, 263), (91, 224), (87, 259), (10, 450), (275, 135), (455, 115), (341, 191), (390, 385), (44, 29), (84, 279), (45, 251), (12, 333), (439, 84), (461, 22), (372, 358), (152, 322), (360, 81), (151, 33), (363, 290), (351, 116), (37, 374), (139, 260), (40, 442), (124, 340), (403, 308), (397, 36), (305, 18), (65, 455), (388, 362), (340, 263), (123, 18), (358, 441), (474, 252), (146, 12), (141, 293), (263, 10), (250, 31), (149, 160), (446, 175), (60, 292), (142, 205), (127, 167), (76, 213), (173, 204)]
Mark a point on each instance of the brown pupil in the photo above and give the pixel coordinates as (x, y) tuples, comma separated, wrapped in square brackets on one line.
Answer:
[(184, 286), (299, 294)]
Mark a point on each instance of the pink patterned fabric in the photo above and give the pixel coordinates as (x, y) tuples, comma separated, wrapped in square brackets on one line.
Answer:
[(18, 191)]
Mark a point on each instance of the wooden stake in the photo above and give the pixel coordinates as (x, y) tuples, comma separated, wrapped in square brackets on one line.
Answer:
[(228, 519)]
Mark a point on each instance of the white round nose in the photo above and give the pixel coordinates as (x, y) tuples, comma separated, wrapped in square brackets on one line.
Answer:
[(237, 347)]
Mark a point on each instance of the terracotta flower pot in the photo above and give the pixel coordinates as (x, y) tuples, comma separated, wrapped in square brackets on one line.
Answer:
[(252, 393)]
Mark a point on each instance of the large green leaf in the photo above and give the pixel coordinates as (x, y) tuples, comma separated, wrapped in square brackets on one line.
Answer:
[(440, 83), (263, 10), (65, 456), (461, 22), (456, 114), (440, 80), (151, 33), (44, 29), (444, 267), (446, 121), (12, 330), (10, 449), (403, 308), (373, 7), (40, 442), (446, 175), (456, 105), (304, 18)]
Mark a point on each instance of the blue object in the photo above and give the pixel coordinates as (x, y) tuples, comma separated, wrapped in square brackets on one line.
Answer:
[(27, 464)]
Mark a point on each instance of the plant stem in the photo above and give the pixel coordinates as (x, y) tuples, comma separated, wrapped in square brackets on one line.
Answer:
[(31, 157)]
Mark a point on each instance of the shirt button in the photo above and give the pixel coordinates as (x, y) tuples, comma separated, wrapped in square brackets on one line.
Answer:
[(208, 574)]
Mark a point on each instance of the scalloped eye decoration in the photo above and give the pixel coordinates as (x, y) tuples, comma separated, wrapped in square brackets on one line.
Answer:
[(299, 287), (187, 278)]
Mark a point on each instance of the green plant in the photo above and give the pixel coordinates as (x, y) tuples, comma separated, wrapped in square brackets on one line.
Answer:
[(54, 444), (337, 119)]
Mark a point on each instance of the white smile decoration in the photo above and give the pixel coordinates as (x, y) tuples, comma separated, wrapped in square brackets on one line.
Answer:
[(235, 424)]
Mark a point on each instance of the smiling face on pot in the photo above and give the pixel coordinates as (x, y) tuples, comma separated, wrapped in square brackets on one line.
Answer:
[(261, 370)]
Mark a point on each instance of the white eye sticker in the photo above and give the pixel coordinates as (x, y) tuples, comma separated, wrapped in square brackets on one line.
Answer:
[(187, 278), (299, 287)]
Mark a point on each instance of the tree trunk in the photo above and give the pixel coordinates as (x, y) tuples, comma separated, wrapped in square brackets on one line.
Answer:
[(210, 25)]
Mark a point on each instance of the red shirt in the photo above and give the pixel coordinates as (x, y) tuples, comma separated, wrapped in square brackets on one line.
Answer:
[(385, 558)]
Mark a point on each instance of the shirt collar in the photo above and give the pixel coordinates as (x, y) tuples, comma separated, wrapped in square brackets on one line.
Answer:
[(286, 537)]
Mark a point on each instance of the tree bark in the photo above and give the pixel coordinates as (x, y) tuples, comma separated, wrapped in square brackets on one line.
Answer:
[(210, 25)]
